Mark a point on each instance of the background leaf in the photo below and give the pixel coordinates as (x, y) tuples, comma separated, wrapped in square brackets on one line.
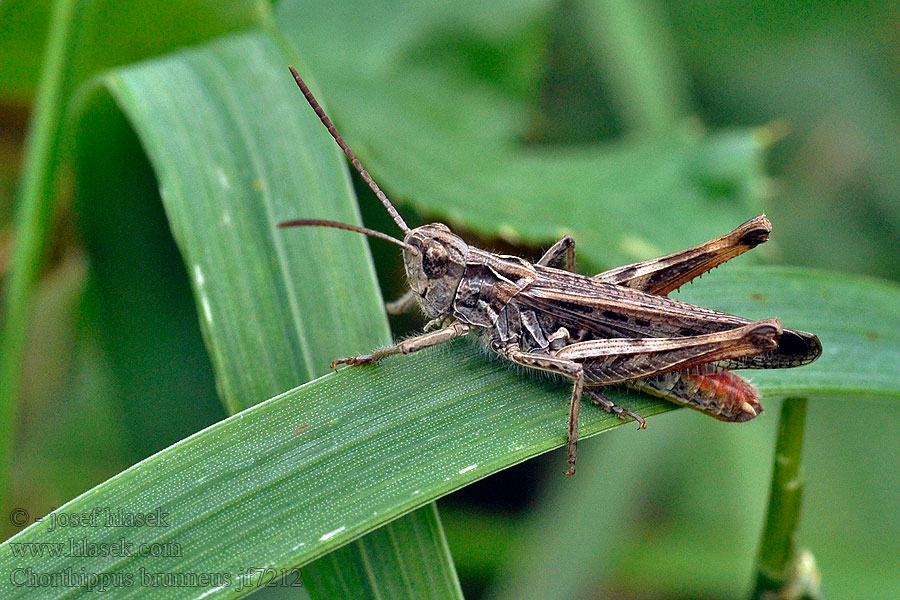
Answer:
[(469, 169)]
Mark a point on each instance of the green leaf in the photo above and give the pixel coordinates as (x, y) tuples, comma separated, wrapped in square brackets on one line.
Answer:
[(409, 545), (34, 212), (294, 477), (269, 319), (856, 318)]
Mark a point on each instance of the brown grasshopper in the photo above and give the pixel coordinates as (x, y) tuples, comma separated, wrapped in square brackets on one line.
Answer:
[(617, 327)]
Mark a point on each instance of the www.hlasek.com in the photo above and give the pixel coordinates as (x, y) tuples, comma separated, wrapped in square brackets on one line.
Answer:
[(84, 548)]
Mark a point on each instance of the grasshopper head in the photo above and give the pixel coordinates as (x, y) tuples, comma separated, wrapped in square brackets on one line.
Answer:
[(435, 260)]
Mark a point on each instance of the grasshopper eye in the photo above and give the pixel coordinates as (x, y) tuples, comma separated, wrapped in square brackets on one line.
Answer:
[(434, 261)]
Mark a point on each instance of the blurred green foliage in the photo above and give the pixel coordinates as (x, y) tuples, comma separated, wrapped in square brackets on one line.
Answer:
[(658, 112)]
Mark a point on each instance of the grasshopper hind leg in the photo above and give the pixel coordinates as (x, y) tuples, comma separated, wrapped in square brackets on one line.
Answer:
[(613, 408)]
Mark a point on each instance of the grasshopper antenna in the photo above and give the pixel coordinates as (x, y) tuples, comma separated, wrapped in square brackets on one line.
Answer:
[(339, 225), (353, 160)]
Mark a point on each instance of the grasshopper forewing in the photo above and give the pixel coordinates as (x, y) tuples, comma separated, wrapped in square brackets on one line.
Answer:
[(617, 327)]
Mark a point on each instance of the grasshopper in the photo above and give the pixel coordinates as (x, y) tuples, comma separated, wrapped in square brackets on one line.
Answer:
[(617, 327)]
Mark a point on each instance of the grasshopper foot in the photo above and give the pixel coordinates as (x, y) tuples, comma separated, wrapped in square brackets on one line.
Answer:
[(365, 359), (642, 424), (614, 409)]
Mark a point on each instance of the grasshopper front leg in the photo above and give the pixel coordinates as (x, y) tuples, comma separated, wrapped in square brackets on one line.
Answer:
[(414, 344), (402, 304)]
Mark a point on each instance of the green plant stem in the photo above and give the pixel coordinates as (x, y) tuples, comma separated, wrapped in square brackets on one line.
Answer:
[(32, 223), (779, 559)]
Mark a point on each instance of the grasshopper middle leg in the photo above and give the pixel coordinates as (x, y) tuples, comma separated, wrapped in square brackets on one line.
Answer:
[(568, 368)]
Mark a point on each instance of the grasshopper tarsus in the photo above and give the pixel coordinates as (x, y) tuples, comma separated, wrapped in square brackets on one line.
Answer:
[(614, 409), (352, 361), (626, 414), (571, 471), (615, 327)]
